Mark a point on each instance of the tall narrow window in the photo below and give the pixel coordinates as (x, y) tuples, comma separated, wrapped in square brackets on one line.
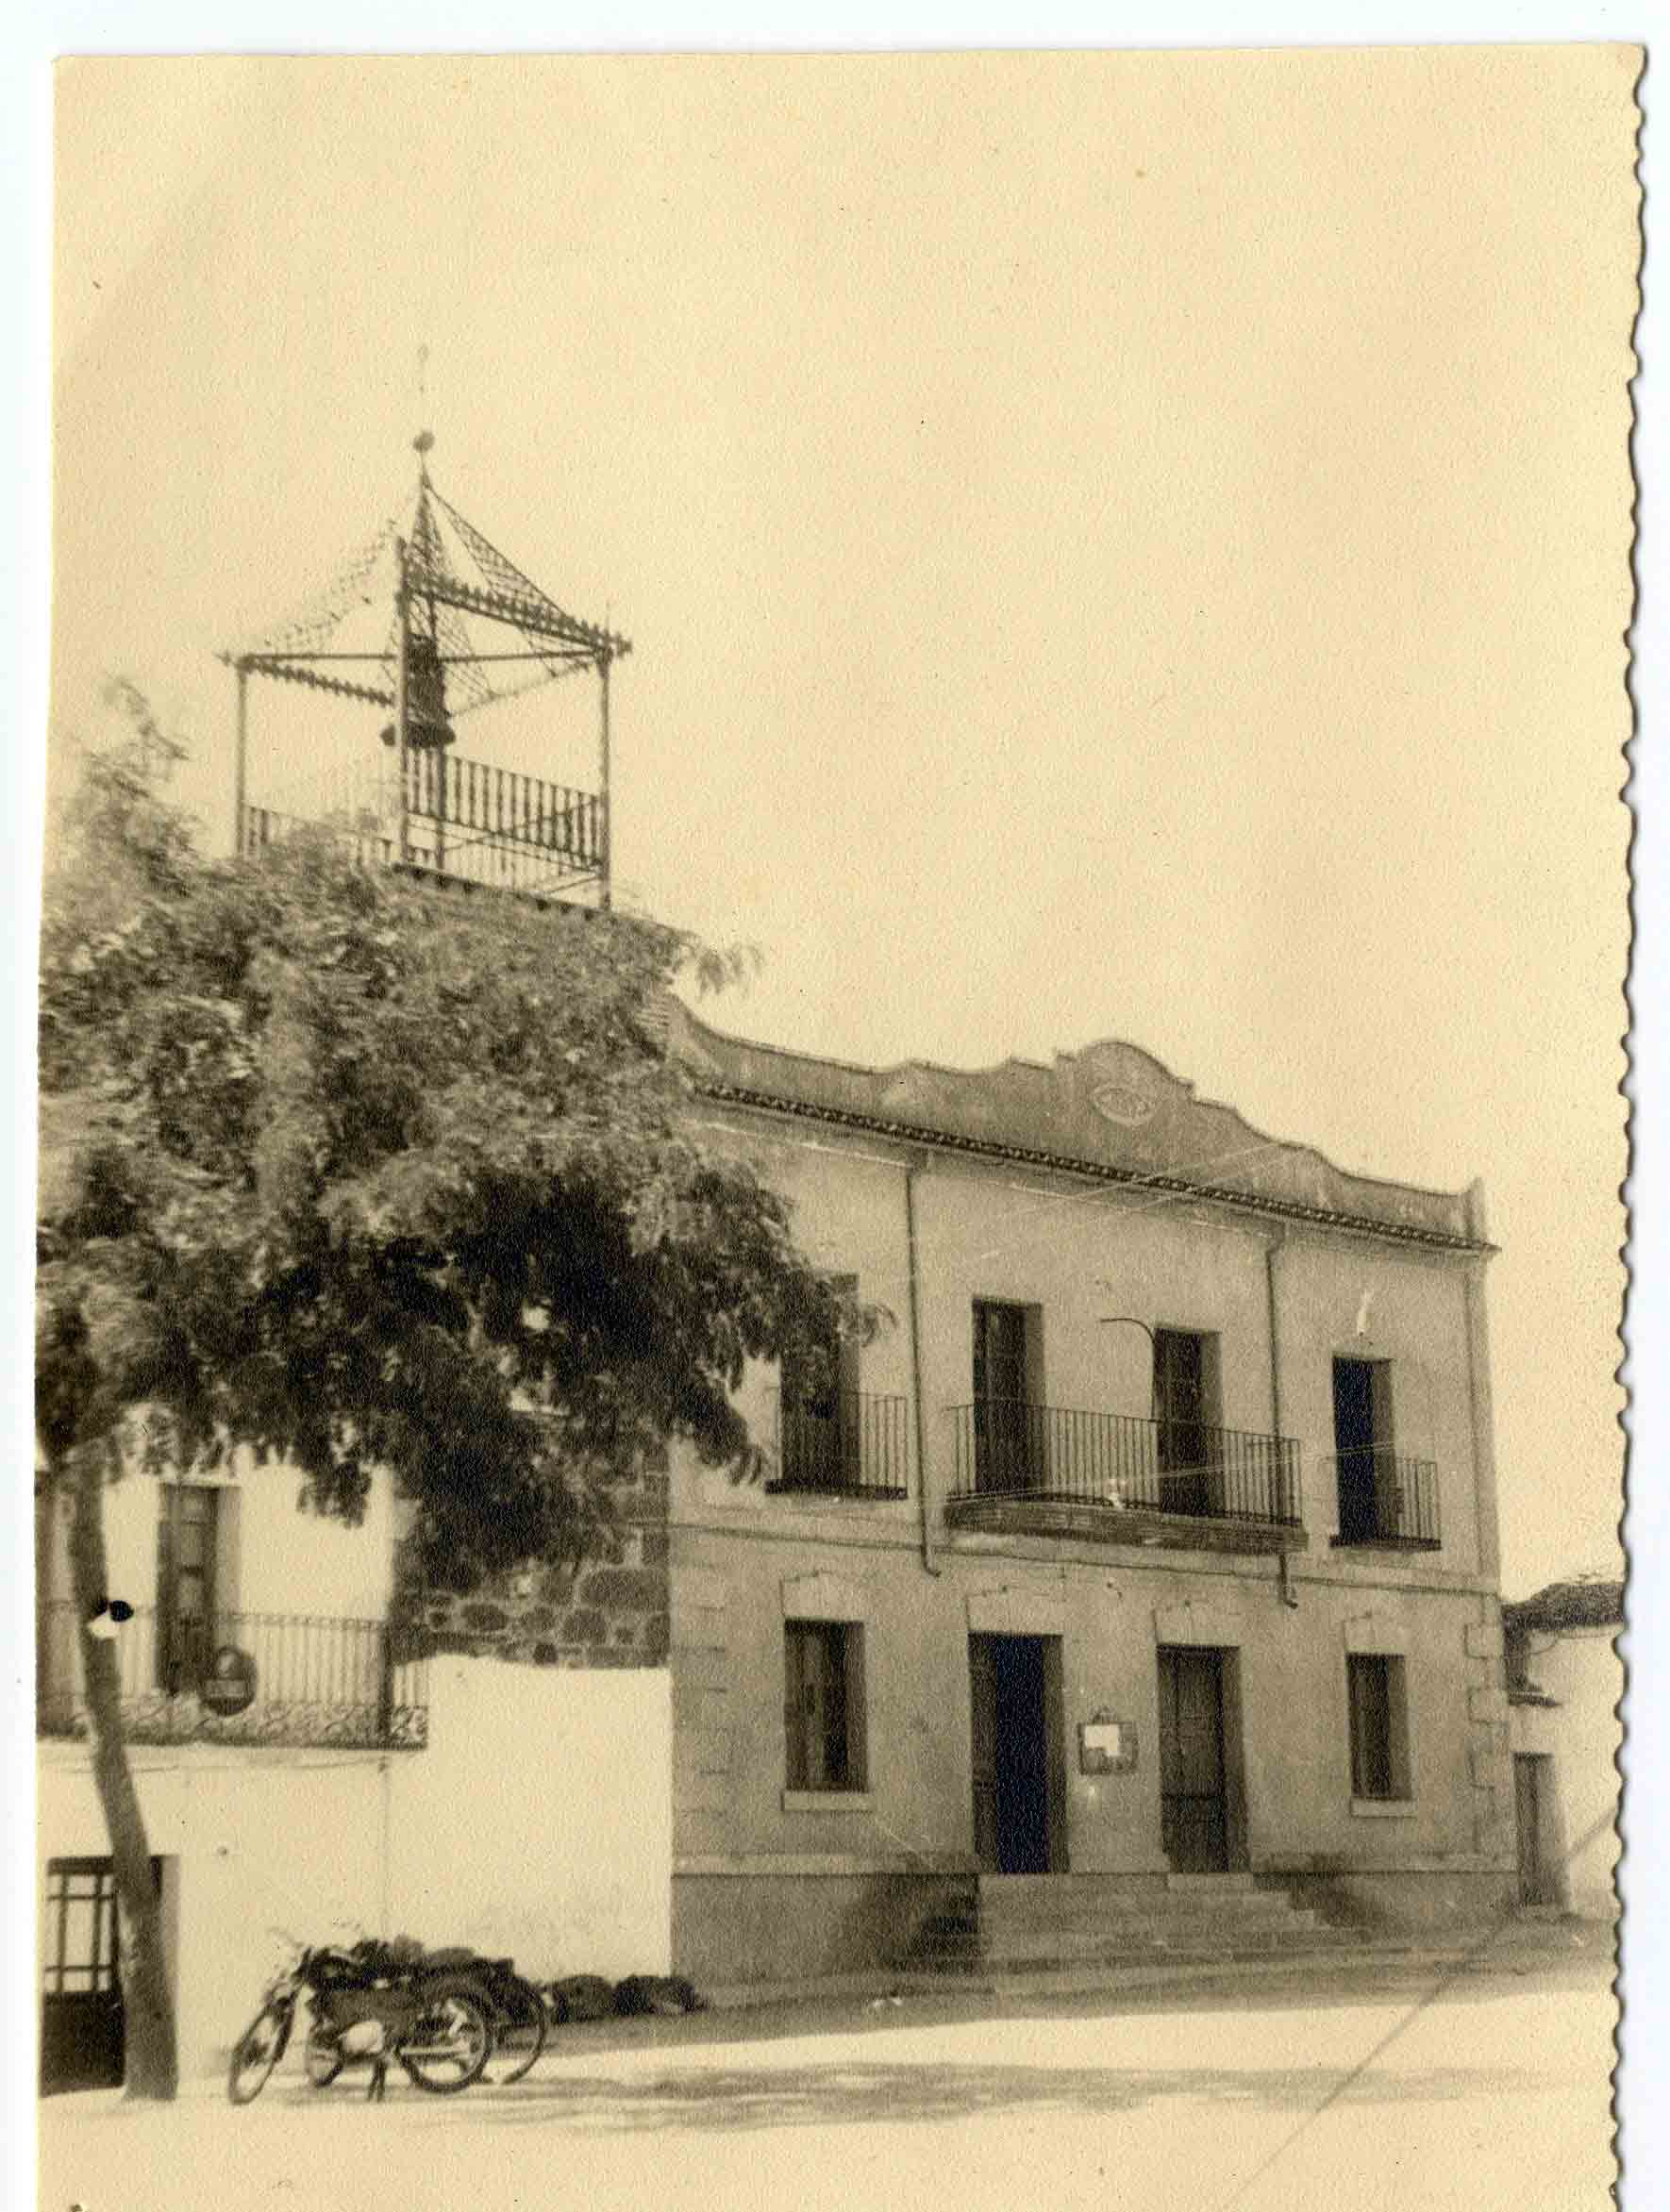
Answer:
[(1008, 1431), (823, 1708), (186, 1533), (821, 1427), (1364, 1453), (1185, 1406), (1380, 1726)]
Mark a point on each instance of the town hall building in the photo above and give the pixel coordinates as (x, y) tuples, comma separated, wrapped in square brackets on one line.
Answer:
[(1130, 1590)]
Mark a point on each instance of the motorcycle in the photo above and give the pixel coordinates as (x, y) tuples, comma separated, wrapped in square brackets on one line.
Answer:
[(369, 2004)]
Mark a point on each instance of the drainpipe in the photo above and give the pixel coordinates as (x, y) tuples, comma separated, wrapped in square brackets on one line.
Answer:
[(1271, 1247), (911, 1173)]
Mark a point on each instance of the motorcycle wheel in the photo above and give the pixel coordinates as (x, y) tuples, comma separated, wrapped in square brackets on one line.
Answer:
[(451, 2042), (257, 2052), (520, 2030), (323, 2058)]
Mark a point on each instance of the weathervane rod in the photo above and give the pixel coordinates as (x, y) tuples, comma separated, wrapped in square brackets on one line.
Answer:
[(423, 443)]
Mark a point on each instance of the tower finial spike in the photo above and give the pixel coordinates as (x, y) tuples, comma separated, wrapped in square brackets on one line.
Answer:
[(423, 444)]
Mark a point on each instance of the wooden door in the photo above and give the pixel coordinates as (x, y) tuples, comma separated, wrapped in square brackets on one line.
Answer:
[(1179, 1393), (83, 2042), (1540, 1873), (1002, 1457), (1194, 1811)]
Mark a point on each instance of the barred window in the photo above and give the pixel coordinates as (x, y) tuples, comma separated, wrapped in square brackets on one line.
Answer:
[(1380, 1726), (823, 1710)]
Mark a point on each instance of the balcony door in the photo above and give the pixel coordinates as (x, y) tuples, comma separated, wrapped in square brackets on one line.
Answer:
[(821, 1428), (1185, 1405), (1363, 1450), (1005, 1458)]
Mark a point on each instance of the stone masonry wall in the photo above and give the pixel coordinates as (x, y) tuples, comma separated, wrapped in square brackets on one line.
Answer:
[(611, 1611)]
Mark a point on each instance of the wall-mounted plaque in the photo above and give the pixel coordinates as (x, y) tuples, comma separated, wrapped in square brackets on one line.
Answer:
[(1107, 1746), (229, 1685)]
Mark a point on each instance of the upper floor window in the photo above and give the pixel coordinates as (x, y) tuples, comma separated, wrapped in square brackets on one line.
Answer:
[(1186, 1409), (822, 1424), (1385, 1496), (1007, 1428), (1365, 1455)]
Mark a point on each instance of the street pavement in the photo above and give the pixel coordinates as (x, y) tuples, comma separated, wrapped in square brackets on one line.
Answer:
[(1383, 2087)]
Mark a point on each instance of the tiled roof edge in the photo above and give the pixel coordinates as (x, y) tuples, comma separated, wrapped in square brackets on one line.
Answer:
[(1098, 1170)]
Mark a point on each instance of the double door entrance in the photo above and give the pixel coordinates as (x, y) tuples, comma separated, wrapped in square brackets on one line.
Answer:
[(1019, 1757)]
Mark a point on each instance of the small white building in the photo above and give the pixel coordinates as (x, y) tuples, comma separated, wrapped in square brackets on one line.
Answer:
[(388, 1775), (1565, 1684)]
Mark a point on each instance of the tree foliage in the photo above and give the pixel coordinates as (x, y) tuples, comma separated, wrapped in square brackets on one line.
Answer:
[(363, 1172)]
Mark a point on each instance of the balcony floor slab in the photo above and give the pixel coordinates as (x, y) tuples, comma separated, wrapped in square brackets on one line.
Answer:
[(1124, 1526)]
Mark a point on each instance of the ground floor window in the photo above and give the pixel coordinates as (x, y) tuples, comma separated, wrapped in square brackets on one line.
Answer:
[(1380, 1726), (823, 1710)]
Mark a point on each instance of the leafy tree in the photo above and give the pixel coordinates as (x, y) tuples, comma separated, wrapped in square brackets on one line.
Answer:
[(368, 1175)]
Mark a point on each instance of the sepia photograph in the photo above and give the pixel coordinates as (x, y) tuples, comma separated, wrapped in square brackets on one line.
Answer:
[(831, 1037)]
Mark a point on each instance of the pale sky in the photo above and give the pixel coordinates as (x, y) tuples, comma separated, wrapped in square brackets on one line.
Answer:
[(1130, 545)]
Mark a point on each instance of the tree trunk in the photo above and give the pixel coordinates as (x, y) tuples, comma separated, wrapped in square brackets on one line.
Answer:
[(151, 2057)]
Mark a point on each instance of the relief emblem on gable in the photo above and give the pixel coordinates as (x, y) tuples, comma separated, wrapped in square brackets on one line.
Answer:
[(1121, 1085)]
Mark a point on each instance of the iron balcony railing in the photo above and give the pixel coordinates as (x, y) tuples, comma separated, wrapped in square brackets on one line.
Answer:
[(850, 1444), (1006, 1448), (465, 821), (314, 1680), (1385, 1498)]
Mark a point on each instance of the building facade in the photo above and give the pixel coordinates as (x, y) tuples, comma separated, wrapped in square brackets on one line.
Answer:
[(1150, 1534), (1565, 1684), (462, 1771), (1153, 1534)]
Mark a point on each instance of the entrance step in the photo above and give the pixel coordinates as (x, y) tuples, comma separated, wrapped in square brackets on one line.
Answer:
[(1028, 1924)]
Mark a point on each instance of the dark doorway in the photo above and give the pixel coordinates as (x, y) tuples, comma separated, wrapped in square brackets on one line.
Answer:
[(1363, 1448), (83, 2044), (1542, 1873), (1193, 1793), (1019, 1777)]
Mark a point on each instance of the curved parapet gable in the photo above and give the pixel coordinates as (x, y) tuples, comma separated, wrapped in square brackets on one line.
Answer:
[(1111, 1110)]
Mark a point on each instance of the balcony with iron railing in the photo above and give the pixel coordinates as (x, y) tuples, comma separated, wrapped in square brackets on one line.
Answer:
[(850, 1444), (256, 1678), (1050, 1469), (462, 821), (1388, 1502)]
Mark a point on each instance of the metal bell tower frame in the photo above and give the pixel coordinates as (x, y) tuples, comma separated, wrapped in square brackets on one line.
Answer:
[(468, 628)]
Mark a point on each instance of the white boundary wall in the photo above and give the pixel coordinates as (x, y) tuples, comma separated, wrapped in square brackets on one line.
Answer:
[(537, 1825)]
